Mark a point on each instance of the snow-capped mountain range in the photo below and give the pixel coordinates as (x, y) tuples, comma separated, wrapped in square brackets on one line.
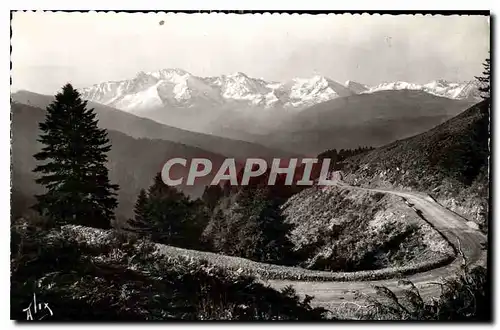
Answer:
[(176, 88), (452, 90)]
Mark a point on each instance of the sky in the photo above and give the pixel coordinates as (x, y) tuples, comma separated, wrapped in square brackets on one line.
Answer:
[(51, 49)]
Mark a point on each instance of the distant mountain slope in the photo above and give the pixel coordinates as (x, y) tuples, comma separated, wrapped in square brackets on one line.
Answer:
[(132, 162), (139, 127), (363, 119), (449, 161)]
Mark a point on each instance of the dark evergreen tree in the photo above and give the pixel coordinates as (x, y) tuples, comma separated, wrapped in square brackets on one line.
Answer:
[(264, 232), (165, 215), (211, 195), (338, 157), (73, 169), (140, 223), (175, 219), (249, 224), (195, 224), (484, 81), (165, 211), (214, 235)]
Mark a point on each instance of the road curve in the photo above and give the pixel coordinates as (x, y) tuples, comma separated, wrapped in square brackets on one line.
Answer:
[(466, 240)]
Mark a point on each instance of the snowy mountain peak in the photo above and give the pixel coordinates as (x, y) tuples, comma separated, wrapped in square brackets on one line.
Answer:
[(238, 75), (177, 88), (355, 86), (443, 88), (169, 74), (309, 91)]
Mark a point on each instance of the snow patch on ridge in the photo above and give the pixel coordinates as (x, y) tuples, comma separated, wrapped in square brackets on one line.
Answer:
[(148, 98)]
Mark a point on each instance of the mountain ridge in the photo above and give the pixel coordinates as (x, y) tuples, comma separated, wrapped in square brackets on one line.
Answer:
[(177, 88)]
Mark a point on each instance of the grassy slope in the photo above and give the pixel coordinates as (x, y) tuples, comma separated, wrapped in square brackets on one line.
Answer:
[(449, 161)]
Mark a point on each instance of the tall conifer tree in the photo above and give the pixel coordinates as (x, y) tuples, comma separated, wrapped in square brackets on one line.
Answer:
[(73, 168), (167, 211), (167, 216), (484, 80), (140, 224)]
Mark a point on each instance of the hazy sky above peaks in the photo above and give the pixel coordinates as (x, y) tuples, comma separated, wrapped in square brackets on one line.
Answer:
[(50, 49)]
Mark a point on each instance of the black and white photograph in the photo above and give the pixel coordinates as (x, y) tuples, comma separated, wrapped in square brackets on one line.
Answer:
[(250, 166)]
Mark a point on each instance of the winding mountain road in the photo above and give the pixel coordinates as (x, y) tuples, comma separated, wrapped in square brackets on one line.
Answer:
[(465, 238), (331, 290)]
